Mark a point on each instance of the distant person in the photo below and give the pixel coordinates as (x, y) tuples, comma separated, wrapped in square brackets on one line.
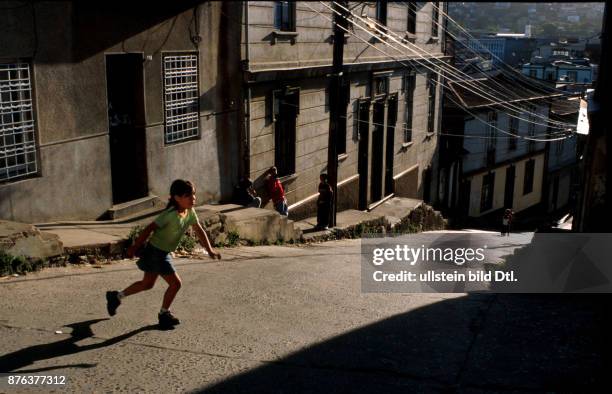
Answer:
[(155, 260), (506, 222), (276, 192), (324, 202), (245, 194)]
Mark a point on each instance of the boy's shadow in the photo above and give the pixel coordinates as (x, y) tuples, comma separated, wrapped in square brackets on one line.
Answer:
[(80, 330)]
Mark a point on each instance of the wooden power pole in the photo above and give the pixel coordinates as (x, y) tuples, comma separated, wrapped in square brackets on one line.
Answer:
[(335, 104)]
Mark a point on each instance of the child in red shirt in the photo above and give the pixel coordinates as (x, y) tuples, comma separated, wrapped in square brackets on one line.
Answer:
[(276, 192)]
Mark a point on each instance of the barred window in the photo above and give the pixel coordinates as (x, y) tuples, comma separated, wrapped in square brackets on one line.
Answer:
[(181, 97), (17, 139)]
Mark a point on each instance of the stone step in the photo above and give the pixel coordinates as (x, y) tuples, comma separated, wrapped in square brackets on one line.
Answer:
[(131, 208), (260, 225)]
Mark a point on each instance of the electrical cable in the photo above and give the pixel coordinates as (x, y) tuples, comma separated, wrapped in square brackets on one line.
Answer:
[(529, 80), (375, 36), (454, 71), (459, 41), (439, 83)]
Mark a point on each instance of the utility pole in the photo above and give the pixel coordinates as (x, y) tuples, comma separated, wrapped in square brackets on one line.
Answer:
[(335, 103)]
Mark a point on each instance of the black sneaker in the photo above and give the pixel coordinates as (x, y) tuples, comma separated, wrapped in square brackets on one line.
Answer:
[(167, 320), (112, 302)]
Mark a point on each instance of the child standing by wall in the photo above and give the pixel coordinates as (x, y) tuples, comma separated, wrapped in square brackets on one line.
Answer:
[(276, 191), (324, 203), (155, 260)]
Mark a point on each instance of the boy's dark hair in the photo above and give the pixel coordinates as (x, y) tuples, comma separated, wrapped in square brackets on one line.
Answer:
[(179, 188), (324, 177)]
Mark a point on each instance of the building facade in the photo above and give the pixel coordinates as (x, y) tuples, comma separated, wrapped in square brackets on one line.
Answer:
[(387, 144), (117, 102), (105, 104), (484, 170)]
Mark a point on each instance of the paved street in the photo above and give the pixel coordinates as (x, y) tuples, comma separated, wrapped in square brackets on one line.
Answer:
[(294, 319)]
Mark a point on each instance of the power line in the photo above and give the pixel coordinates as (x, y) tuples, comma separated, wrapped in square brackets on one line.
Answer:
[(530, 80), (453, 71), (439, 83), (356, 119), (459, 41)]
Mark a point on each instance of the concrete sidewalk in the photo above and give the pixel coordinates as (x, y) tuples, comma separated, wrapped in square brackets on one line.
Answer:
[(229, 221)]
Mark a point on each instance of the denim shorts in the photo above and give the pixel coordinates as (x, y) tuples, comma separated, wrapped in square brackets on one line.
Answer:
[(156, 261)]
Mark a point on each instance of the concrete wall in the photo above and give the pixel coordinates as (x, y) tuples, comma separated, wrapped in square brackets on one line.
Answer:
[(313, 44), (70, 117), (69, 79)]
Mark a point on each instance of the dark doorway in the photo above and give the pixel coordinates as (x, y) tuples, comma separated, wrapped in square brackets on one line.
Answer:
[(391, 121), (363, 130), (509, 189), (378, 138), (125, 92), (284, 132)]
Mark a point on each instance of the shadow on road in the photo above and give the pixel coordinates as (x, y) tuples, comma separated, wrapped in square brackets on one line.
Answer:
[(479, 343), (80, 330)]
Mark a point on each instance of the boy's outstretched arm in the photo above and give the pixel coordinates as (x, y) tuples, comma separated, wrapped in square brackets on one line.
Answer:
[(144, 235), (205, 242)]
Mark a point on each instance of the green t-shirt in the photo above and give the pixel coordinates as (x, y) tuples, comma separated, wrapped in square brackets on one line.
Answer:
[(171, 228)]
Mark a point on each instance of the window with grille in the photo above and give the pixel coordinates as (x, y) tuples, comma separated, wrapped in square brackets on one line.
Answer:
[(17, 139), (181, 97)]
